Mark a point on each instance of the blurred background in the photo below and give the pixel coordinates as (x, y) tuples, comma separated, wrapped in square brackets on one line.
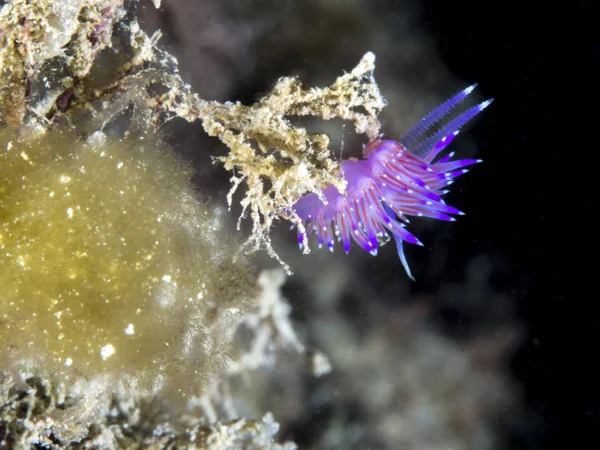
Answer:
[(492, 347)]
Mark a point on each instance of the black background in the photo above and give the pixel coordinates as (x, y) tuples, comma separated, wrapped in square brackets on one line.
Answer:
[(535, 194)]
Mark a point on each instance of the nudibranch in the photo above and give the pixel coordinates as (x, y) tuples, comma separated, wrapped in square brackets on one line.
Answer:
[(395, 180)]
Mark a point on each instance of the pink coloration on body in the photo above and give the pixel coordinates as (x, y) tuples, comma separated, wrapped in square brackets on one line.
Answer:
[(396, 180)]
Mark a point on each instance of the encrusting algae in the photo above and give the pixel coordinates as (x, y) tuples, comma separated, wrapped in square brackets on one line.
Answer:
[(118, 282), (109, 264)]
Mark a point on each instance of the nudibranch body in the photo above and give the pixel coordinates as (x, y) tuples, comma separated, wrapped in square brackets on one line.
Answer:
[(397, 179)]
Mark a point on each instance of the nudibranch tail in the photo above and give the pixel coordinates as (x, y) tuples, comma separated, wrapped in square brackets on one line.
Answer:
[(396, 180)]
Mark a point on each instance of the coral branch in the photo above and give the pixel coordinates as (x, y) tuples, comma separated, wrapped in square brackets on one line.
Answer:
[(266, 147)]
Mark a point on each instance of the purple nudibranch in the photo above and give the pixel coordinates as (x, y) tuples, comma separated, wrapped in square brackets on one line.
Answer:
[(397, 179)]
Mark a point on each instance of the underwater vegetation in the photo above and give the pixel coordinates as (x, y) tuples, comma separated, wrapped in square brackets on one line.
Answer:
[(112, 265)]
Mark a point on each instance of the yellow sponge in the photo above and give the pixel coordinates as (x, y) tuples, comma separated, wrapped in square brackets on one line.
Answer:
[(109, 264)]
